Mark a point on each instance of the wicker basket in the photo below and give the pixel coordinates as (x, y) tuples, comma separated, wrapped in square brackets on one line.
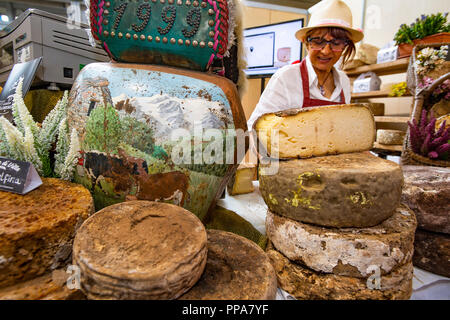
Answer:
[(409, 157), (412, 79)]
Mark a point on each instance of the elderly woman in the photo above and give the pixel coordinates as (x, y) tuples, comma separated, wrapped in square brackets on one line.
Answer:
[(328, 37)]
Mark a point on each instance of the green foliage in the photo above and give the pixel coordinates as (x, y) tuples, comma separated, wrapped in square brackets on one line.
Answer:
[(159, 153), (138, 134), (427, 25), (218, 168), (103, 130)]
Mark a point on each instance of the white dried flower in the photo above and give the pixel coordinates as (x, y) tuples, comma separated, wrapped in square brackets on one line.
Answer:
[(50, 124), (30, 151), (14, 138), (72, 157), (62, 146)]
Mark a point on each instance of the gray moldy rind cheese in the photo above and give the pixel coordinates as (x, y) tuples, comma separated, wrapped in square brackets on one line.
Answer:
[(432, 252), (348, 190), (37, 229), (427, 193), (317, 131), (305, 284), (236, 269), (140, 250), (348, 252)]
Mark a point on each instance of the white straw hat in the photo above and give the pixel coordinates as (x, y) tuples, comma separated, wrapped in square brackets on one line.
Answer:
[(333, 13)]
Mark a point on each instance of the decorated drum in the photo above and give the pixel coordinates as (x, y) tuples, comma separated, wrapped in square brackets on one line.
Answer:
[(155, 133), (183, 33)]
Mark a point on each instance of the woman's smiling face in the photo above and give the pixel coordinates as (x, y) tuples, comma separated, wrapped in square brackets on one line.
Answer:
[(323, 59)]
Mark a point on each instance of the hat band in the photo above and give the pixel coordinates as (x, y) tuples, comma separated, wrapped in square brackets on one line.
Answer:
[(334, 22)]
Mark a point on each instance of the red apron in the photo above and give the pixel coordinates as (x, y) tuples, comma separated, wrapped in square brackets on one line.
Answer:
[(307, 101)]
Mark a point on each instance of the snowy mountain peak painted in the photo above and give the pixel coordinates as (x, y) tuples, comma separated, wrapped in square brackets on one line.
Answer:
[(165, 113)]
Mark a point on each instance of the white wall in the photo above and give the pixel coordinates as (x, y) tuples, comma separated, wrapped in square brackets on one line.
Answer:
[(384, 17)]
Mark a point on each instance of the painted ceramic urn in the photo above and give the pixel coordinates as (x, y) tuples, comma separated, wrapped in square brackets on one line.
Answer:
[(155, 133)]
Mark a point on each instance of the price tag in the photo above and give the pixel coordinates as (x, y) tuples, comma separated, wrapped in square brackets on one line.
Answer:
[(387, 55), (18, 176)]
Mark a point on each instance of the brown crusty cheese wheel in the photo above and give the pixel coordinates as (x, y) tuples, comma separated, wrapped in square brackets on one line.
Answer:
[(347, 190), (140, 250), (37, 229), (432, 252), (306, 284), (427, 193), (348, 252), (236, 269)]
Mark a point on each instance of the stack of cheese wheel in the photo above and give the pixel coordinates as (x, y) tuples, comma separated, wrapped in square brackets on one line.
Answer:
[(427, 193), (334, 216), (36, 236), (153, 250)]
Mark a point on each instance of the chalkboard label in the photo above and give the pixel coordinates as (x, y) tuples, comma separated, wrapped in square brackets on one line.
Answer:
[(18, 176)]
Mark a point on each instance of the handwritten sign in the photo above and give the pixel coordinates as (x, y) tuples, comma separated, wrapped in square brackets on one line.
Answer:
[(18, 176)]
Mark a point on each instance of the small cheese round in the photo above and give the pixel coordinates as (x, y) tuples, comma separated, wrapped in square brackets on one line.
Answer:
[(347, 190), (236, 269), (140, 250), (390, 137), (37, 229)]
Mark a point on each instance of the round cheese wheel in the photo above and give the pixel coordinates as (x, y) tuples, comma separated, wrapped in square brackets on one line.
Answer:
[(37, 229), (52, 286), (350, 251), (236, 269), (140, 250), (427, 193), (347, 190), (305, 284), (390, 137), (432, 252)]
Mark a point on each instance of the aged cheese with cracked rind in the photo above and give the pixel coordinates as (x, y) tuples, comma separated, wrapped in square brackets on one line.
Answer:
[(347, 252), (432, 252), (37, 229), (305, 284), (347, 190), (427, 193), (140, 250), (236, 269), (390, 137), (317, 131), (52, 286)]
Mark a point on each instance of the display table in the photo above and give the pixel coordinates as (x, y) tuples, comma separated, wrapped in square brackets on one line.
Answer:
[(251, 207)]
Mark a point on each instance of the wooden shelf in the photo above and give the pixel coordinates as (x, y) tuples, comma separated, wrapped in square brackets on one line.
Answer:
[(375, 94), (391, 119), (398, 66), (395, 150)]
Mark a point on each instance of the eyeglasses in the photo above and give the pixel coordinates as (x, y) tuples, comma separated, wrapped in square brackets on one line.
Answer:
[(320, 43)]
